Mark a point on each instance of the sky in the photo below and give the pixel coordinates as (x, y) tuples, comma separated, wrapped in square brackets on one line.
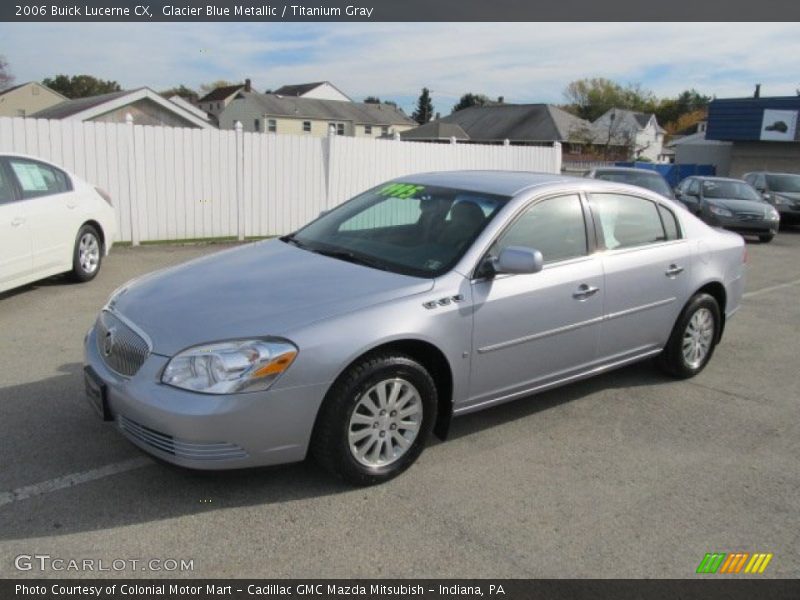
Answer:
[(523, 62)]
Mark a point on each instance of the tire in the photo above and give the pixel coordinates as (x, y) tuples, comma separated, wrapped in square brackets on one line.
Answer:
[(766, 238), (350, 421), (701, 315), (87, 255)]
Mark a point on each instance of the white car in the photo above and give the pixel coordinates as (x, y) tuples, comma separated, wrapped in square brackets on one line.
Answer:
[(51, 222)]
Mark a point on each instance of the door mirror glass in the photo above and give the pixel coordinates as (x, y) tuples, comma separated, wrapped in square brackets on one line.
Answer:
[(519, 260)]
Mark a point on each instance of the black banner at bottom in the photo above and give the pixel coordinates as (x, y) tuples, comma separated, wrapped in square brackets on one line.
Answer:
[(428, 589)]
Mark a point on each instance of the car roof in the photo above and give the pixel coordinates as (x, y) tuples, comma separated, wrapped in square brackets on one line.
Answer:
[(771, 173), (626, 170), (710, 178), (504, 183)]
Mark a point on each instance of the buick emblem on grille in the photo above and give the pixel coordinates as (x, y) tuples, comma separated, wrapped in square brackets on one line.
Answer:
[(108, 341)]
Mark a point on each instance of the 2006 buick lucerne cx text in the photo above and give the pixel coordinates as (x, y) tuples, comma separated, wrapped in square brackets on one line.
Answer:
[(422, 299)]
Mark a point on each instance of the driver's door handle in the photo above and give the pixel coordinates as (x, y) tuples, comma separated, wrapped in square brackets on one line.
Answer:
[(673, 270), (585, 291)]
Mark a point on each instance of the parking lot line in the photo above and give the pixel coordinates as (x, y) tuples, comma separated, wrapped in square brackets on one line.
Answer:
[(59, 483), (771, 288)]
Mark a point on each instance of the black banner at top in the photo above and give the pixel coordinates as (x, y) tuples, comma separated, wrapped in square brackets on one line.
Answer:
[(398, 10)]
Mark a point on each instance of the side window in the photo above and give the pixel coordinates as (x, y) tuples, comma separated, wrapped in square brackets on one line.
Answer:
[(694, 187), (555, 227), (627, 221), (6, 187), (670, 223), (37, 179), (760, 182)]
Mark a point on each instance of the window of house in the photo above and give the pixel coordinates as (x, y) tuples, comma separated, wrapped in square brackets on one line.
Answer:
[(217, 105), (256, 125), (340, 129), (627, 221), (384, 130), (272, 125), (367, 129), (307, 126), (35, 90), (37, 179), (555, 227)]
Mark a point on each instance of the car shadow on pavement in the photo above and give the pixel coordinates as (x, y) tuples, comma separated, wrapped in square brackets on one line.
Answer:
[(48, 431)]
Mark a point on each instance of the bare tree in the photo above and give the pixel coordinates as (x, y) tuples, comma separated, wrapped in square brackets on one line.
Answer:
[(6, 78)]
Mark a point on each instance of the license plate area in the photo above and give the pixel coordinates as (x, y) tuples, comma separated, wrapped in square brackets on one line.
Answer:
[(96, 393)]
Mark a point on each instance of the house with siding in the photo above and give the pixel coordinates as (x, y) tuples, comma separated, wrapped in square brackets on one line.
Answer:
[(320, 90), (143, 104), (25, 99), (638, 130), (298, 115), (218, 99), (519, 125)]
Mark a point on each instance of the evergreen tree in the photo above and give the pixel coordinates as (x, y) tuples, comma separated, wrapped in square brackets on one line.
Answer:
[(424, 112)]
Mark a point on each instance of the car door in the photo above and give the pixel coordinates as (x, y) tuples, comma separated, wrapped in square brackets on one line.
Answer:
[(50, 212), (532, 329), (15, 239), (646, 264)]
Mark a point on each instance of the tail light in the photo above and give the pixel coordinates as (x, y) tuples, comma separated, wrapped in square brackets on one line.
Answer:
[(104, 195)]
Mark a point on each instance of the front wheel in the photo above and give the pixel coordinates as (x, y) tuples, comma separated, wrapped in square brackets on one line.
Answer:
[(375, 420), (87, 254), (766, 238), (693, 338)]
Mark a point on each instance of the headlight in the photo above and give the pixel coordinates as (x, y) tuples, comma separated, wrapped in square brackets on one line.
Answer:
[(230, 367), (781, 201), (718, 210), (772, 214)]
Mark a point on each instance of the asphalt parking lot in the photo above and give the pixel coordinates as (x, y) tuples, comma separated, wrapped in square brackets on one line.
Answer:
[(627, 475)]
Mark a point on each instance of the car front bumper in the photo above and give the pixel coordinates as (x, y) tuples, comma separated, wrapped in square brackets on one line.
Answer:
[(746, 226), (203, 431)]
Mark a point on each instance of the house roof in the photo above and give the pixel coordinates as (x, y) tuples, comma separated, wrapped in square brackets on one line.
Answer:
[(83, 109), (628, 119), (300, 89), (435, 130), (517, 123), (221, 93), (22, 85), (333, 110)]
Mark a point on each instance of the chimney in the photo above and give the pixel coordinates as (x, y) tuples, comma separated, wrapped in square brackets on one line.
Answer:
[(247, 86), (757, 93)]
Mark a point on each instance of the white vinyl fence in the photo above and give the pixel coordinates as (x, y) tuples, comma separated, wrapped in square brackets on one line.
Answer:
[(179, 183)]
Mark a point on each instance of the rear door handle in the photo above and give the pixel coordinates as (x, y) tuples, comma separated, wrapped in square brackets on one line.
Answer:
[(17, 221), (673, 270), (585, 291)]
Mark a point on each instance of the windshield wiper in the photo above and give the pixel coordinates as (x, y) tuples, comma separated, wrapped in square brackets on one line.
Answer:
[(348, 256), (291, 239)]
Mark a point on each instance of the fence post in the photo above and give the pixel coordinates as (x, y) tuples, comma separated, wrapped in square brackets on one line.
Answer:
[(132, 199), (239, 176), (327, 151), (557, 157)]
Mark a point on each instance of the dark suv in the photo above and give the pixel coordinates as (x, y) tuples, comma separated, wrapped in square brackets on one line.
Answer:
[(781, 190)]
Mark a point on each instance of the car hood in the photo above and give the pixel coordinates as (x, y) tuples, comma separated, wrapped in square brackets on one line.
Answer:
[(266, 288), (736, 205), (791, 195)]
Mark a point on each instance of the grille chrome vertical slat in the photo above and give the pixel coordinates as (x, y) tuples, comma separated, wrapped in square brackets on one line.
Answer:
[(122, 349)]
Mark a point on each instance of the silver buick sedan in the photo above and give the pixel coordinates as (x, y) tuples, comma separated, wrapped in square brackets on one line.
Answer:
[(425, 298)]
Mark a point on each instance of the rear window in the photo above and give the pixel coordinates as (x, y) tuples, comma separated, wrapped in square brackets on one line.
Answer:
[(648, 180)]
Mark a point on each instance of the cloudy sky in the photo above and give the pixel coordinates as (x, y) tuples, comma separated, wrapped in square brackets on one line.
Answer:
[(524, 62)]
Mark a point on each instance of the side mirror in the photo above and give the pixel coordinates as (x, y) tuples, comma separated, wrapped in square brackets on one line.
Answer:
[(519, 260), (322, 213)]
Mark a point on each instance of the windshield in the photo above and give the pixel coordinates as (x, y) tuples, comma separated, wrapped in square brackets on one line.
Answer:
[(783, 183), (402, 227), (732, 190), (651, 181)]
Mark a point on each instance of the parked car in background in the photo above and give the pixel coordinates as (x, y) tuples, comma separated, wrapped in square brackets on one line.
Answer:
[(781, 190), (50, 222), (425, 298), (650, 180), (730, 203)]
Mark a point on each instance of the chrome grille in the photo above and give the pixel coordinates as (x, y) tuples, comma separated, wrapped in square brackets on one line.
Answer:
[(121, 348), (181, 449), (749, 216)]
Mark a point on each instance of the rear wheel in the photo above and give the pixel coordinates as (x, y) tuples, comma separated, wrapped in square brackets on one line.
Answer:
[(693, 338), (87, 254), (376, 419)]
